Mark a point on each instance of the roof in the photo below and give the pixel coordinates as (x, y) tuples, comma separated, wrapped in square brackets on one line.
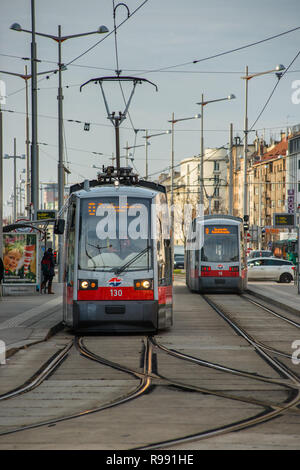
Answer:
[(278, 150)]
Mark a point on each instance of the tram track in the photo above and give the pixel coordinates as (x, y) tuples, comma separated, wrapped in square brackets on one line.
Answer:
[(40, 375), (149, 378), (272, 312), (258, 345), (142, 387), (269, 310), (271, 411)]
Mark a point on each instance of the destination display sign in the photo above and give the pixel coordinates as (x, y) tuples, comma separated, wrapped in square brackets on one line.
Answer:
[(42, 215), (218, 230), (285, 220)]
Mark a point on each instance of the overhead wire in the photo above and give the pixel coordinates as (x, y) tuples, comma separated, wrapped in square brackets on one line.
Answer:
[(230, 51), (274, 88)]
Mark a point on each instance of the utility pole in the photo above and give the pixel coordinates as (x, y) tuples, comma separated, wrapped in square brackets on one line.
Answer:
[(34, 146), (1, 184), (172, 188), (245, 206), (146, 144), (60, 176), (201, 182), (230, 208), (15, 156), (27, 190)]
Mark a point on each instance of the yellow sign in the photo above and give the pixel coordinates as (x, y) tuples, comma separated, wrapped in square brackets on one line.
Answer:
[(217, 230), (43, 215)]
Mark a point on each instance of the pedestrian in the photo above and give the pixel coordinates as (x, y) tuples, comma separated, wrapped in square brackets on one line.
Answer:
[(1, 270), (47, 265), (1, 274)]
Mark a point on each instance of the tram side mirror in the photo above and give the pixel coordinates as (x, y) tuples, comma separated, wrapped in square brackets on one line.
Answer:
[(59, 226)]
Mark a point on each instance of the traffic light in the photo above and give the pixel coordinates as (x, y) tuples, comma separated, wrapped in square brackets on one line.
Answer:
[(59, 226), (48, 235), (246, 222)]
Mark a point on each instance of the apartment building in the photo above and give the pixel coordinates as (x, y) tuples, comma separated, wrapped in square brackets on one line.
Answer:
[(293, 170)]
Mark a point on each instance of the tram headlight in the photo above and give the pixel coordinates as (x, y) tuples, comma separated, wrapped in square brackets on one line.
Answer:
[(143, 284), (85, 284)]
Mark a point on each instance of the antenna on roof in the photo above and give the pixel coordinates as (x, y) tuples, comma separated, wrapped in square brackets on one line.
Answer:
[(112, 116)]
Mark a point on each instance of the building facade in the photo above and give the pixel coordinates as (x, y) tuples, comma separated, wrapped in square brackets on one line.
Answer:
[(293, 171)]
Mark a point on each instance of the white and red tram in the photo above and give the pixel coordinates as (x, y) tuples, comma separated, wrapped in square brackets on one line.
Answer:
[(118, 271), (215, 255)]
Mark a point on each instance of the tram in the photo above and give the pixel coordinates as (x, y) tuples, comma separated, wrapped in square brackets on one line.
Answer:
[(215, 255), (118, 272)]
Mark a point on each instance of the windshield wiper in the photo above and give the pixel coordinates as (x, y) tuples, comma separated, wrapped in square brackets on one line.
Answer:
[(100, 247), (126, 265)]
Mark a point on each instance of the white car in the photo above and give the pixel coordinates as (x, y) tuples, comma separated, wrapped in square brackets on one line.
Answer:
[(260, 254), (271, 269)]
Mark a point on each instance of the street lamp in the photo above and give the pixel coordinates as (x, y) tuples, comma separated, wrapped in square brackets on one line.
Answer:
[(59, 39), (204, 103), (148, 143), (34, 144), (173, 121), (248, 77), (25, 76), (130, 154), (15, 156)]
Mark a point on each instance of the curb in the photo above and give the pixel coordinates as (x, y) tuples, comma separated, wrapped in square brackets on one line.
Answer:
[(273, 302), (24, 344)]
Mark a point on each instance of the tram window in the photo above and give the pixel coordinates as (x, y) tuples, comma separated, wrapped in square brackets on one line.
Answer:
[(163, 244), (115, 232), (220, 244), (70, 244)]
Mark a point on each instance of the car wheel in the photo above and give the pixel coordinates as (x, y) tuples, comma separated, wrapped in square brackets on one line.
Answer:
[(286, 278)]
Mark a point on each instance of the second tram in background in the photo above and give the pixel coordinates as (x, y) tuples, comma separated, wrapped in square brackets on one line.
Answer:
[(215, 255)]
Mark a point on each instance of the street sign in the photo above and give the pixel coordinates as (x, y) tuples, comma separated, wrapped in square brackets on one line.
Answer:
[(42, 215), (23, 229), (284, 220)]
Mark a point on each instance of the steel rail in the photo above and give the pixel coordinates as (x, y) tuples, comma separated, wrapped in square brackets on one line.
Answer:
[(219, 367), (238, 329), (188, 387), (145, 383), (41, 375), (259, 343), (270, 413), (276, 314)]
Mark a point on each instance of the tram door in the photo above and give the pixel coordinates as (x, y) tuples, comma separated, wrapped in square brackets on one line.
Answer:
[(69, 274)]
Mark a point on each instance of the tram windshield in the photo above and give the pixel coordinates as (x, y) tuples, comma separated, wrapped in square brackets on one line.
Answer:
[(220, 244), (115, 234)]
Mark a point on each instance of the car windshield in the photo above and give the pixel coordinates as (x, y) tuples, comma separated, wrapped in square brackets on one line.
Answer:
[(115, 234), (220, 244)]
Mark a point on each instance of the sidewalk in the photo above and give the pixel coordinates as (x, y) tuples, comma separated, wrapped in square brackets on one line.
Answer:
[(283, 295), (27, 319)]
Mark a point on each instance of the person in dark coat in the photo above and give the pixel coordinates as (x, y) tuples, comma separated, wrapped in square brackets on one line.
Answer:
[(47, 265), (1, 270)]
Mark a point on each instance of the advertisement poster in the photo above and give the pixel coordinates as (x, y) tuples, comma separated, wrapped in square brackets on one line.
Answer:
[(20, 258)]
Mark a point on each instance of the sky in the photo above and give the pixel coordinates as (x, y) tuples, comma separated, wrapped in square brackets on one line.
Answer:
[(158, 42)]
